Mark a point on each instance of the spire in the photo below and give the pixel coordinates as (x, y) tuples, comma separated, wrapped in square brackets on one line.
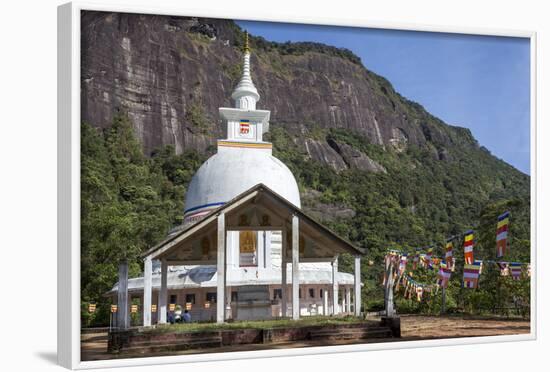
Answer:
[(245, 94), (246, 46)]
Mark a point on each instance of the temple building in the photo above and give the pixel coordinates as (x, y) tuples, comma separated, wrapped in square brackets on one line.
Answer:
[(245, 249)]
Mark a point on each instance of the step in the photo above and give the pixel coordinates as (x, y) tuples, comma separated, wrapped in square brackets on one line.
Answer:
[(173, 337), (174, 346), (352, 334), (154, 342)]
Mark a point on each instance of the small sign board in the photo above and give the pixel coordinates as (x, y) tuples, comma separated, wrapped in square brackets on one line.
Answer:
[(134, 309), (207, 305), (91, 308), (188, 306), (153, 308), (244, 127), (172, 307), (114, 308)]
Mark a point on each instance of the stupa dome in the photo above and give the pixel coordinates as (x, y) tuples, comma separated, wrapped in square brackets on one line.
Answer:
[(224, 176)]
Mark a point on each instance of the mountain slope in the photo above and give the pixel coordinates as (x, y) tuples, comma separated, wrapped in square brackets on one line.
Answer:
[(171, 74), (372, 165)]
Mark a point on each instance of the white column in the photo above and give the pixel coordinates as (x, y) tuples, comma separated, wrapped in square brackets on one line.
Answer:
[(388, 290), (163, 294), (357, 286), (122, 294), (335, 286), (325, 302), (228, 311), (260, 249), (344, 303), (220, 290), (147, 290), (295, 268), (348, 300), (284, 292), (267, 242)]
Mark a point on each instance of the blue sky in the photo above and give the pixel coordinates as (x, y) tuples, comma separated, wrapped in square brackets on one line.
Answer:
[(478, 82)]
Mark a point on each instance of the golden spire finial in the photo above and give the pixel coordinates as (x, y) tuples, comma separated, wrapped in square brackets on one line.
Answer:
[(246, 46)]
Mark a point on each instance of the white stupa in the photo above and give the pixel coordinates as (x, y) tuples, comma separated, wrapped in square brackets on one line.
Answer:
[(243, 159), (254, 258)]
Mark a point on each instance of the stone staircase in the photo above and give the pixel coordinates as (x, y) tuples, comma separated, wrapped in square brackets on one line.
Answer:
[(351, 333), (151, 343), (145, 344)]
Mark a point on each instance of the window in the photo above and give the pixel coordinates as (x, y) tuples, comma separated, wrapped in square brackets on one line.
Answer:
[(311, 293), (234, 296), (173, 299), (248, 255), (321, 293), (190, 298), (300, 293), (212, 297), (277, 294)]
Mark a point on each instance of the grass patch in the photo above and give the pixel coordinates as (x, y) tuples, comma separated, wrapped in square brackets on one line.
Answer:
[(256, 324)]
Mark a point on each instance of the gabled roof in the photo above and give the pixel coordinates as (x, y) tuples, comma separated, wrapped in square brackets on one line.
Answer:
[(247, 197)]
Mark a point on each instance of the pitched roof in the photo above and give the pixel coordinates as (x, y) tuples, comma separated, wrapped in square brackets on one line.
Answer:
[(239, 200)]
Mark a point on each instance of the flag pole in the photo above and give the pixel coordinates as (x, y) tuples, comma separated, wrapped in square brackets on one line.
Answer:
[(443, 300)]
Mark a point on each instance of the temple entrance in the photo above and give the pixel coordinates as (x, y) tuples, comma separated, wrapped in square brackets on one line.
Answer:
[(248, 249)]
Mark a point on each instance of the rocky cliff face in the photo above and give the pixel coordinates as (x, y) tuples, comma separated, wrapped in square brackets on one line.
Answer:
[(170, 75)]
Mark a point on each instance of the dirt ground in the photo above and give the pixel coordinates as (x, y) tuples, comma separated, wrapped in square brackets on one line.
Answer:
[(413, 327)]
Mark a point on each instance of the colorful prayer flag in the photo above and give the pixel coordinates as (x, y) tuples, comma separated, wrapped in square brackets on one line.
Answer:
[(402, 263), (449, 253), (415, 260), (515, 270), (443, 276), (504, 268), (422, 259), (471, 274), (469, 247), (502, 233), (429, 257), (419, 291)]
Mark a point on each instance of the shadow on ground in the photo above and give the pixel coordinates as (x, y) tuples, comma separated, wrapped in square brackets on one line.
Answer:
[(48, 356)]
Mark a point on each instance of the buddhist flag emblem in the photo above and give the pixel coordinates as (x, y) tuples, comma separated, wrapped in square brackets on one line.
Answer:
[(415, 259), (504, 268), (471, 274), (469, 247), (429, 257), (419, 292), (244, 127), (444, 275), (502, 233), (403, 264), (449, 253), (515, 270)]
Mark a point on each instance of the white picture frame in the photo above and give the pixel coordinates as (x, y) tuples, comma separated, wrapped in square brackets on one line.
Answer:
[(69, 188)]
